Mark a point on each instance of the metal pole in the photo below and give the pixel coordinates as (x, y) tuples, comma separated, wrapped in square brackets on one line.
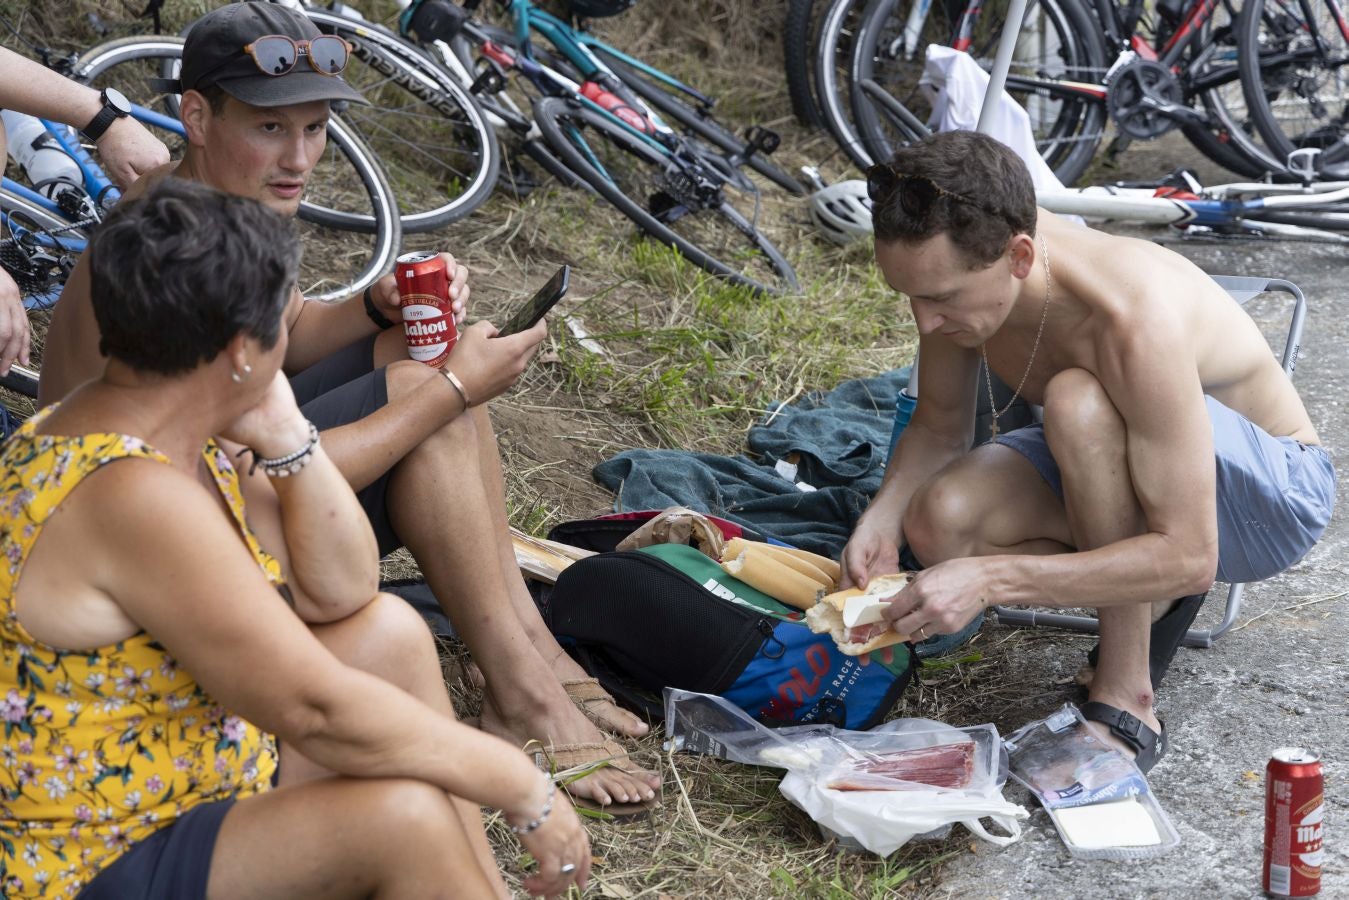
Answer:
[(997, 79)]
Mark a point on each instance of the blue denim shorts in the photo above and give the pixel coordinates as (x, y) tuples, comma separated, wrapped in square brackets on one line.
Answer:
[(1275, 495), (174, 863)]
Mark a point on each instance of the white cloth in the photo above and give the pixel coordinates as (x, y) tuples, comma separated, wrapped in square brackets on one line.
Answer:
[(959, 85)]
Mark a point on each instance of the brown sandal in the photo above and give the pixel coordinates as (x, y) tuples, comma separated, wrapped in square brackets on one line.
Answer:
[(565, 762), (585, 691)]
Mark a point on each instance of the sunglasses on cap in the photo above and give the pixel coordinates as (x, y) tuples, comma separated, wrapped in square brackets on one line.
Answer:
[(277, 54), (917, 193)]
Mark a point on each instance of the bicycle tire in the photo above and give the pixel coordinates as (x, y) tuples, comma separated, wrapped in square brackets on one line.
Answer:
[(699, 122), (798, 57), (1229, 137), (1325, 220), (1286, 79), (347, 177), (431, 134), (20, 379), (1075, 128), (833, 55), (604, 153)]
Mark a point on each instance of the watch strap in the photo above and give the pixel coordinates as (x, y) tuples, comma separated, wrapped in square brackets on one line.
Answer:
[(375, 315), (101, 122)]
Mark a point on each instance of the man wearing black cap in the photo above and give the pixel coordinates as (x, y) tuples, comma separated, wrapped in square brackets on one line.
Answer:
[(257, 81)]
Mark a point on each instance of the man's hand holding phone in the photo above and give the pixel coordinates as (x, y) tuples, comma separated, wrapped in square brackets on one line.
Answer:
[(488, 363), (487, 360)]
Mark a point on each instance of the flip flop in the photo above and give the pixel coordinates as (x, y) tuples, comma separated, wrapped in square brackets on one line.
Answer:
[(1167, 634), (1150, 746), (585, 691), (559, 760)]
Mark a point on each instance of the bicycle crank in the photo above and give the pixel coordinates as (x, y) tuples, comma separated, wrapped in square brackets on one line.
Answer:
[(1146, 100)]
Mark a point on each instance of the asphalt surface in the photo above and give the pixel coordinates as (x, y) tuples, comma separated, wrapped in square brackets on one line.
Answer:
[(1277, 679)]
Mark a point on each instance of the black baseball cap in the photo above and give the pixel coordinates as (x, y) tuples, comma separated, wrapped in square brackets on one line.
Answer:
[(214, 54)]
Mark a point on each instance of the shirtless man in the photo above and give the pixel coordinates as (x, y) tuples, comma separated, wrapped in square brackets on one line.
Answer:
[(417, 448), (1148, 373)]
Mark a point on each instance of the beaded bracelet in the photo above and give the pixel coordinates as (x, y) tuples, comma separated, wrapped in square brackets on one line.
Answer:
[(291, 463), (534, 824), (458, 386)]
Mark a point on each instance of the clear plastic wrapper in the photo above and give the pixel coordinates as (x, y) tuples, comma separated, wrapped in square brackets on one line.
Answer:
[(878, 788), (1096, 797)]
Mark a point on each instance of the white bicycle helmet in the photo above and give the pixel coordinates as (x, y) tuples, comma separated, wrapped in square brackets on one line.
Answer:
[(842, 212)]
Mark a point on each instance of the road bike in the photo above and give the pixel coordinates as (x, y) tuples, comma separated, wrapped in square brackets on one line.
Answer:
[(1078, 66), (1293, 59), (675, 186)]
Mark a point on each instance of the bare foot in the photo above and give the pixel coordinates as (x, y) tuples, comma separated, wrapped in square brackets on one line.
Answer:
[(604, 713), (558, 722)]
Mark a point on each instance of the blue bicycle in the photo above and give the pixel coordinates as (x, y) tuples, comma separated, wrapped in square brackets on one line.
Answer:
[(675, 186)]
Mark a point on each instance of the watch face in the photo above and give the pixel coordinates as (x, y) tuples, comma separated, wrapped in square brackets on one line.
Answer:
[(117, 100)]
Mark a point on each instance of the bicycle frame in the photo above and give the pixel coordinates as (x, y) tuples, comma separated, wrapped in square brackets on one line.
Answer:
[(97, 185), (558, 33)]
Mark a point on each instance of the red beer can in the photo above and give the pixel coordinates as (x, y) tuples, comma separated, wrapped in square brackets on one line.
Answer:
[(1294, 805), (424, 294)]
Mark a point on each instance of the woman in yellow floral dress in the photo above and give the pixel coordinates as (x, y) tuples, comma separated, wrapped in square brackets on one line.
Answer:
[(150, 647)]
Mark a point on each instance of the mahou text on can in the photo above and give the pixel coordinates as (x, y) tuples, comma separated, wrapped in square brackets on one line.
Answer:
[(428, 318), (1294, 807)]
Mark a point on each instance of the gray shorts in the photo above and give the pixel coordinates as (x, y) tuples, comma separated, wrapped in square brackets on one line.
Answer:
[(1275, 495)]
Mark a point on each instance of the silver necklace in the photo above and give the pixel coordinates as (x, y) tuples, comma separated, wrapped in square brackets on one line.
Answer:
[(983, 350)]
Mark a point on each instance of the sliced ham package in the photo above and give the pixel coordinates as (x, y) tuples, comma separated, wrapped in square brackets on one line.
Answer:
[(873, 790)]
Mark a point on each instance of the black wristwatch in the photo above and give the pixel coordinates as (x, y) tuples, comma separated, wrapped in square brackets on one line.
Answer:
[(375, 315), (115, 106)]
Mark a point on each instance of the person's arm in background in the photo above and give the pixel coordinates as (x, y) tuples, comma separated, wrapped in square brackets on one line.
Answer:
[(126, 149)]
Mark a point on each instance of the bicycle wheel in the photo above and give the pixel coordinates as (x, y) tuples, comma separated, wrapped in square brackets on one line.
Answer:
[(698, 121), (681, 203), (431, 134), (1229, 136), (38, 249), (833, 56), (1292, 59), (1059, 40), (798, 57), (338, 262)]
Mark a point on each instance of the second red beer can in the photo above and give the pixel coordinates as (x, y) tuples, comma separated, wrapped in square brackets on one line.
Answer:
[(1294, 806), (428, 318)]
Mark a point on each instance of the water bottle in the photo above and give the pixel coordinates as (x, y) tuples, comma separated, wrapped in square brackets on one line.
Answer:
[(596, 93), (47, 166)]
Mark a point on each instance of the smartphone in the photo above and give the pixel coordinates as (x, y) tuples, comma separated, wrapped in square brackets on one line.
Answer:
[(527, 316)]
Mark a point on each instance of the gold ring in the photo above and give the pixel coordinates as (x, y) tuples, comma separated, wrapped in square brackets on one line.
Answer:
[(922, 634)]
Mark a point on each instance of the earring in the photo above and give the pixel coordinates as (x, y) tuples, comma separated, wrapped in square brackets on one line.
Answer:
[(248, 370), (234, 376)]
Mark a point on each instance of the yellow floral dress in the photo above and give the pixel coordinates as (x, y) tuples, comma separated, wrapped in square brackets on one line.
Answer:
[(101, 747)]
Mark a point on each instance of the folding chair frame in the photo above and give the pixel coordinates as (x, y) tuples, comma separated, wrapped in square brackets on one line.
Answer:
[(1241, 289)]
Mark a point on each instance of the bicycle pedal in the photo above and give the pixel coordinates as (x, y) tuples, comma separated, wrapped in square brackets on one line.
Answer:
[(760, 140), (491, 80)]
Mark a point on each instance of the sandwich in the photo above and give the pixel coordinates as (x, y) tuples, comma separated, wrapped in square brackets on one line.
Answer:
[(855, 618)]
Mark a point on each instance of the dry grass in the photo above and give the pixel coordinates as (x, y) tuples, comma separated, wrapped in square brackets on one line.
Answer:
[(687, 364)]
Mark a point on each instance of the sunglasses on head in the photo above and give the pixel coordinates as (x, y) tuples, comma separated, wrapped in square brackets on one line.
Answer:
[(277, 54), (917, 193)]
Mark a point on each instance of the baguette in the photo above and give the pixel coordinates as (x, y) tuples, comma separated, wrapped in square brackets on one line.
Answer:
[(817, 567), (869, 631)]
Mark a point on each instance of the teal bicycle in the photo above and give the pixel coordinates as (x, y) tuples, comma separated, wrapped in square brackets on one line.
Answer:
[(683, 188)]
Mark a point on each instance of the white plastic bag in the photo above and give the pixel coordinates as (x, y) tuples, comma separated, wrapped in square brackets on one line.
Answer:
[(884, 821), (818, 756)]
